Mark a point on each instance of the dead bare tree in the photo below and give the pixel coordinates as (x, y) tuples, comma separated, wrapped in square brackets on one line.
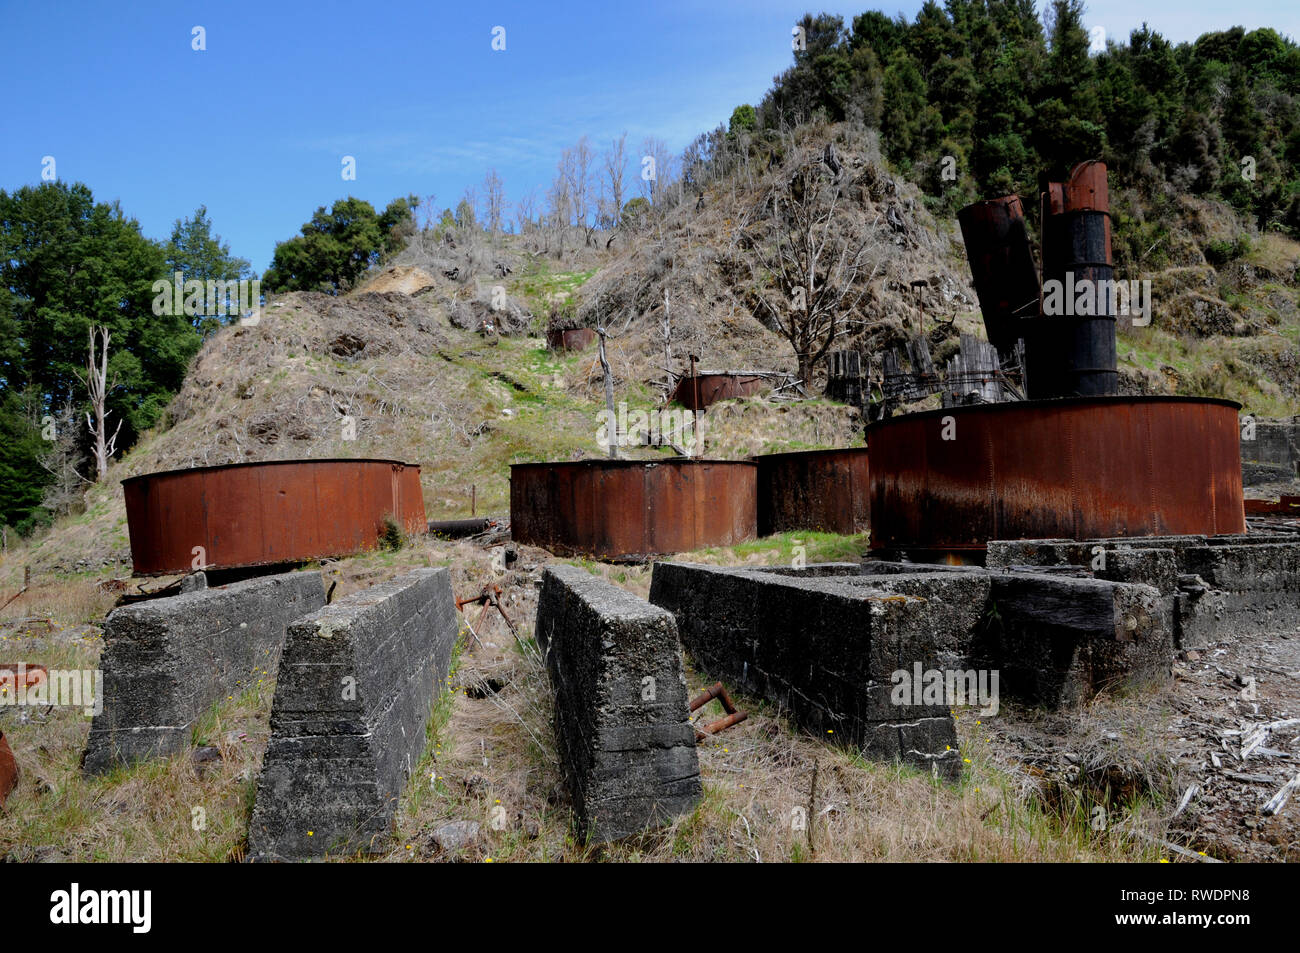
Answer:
[(559, 202), (98, 387), (575, 167), (425, 237), (494, 203), (609, 394), (669, 376), (658, 170), (817, 258), (526, 211), (615, 166), (62, 460)]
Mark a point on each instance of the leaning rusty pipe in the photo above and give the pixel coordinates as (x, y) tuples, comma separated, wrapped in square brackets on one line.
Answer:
[(733, 717), (716, 690)]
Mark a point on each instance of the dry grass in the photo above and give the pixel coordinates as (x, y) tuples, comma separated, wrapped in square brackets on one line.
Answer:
[(491, 759), (493, 763)]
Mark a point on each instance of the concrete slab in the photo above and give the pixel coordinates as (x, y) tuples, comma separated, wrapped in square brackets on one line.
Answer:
[(826, 648)]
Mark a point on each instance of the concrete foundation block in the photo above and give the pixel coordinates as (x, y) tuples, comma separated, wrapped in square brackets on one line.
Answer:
[(357, 686), (826, 647), (1261, 583), (167, 661), (1058, 641), (622, 722)]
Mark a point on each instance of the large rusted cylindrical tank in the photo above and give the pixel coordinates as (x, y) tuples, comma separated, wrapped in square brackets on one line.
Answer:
[(1002, 267), (262, 514), (712, 387), (950, 480), (632, 509), (824, 490)]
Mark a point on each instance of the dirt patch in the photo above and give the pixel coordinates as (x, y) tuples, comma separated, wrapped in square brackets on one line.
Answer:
[(401, 279)]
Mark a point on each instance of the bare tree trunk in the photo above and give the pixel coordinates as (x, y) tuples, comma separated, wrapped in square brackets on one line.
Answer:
[(609, 395), (97, 385), (668, 351)]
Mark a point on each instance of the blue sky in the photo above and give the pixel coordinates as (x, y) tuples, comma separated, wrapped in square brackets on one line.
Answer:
[(255, 126)]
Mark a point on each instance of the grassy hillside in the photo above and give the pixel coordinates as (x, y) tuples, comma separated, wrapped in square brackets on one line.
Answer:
[(465, 405)]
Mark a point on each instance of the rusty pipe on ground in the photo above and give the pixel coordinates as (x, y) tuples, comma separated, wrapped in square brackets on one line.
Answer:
[(733, 716)]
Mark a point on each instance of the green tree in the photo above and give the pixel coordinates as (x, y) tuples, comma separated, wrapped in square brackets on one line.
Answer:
[(905, 104), (337, 246), (743, 119), (68, 262), (22, 478), (197, 253)]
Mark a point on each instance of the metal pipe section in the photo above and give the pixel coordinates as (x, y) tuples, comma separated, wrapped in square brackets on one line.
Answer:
[(459, 529), (632, 509), (1069, 336), (948, 481), (265, 514), (1070, 349), (1002, 267)]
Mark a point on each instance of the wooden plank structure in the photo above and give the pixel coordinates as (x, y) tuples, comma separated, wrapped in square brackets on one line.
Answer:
[(845, 378), (975, 375)]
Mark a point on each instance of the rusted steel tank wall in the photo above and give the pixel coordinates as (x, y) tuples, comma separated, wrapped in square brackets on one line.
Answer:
[(826, 490), (258, 514), (574, 339), (716, 387), (630, 509), (1077, 469)]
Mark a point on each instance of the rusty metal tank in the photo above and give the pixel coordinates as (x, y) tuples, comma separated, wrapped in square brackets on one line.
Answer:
[(712, 387), (1079, 468), (824, 490), (632, 509), (265, 514), (574, 339)]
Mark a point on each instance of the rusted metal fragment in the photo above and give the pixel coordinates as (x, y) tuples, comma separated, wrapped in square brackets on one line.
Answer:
[(698, 392), (574, 339), (1286, 504), (8, 770)]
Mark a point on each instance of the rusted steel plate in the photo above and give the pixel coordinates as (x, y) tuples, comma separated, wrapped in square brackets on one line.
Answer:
[(1287, 504), (632, 509), (8, 770), (824, 490), (1081, 468), (574, 339), (715, 387), (258, 514)]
